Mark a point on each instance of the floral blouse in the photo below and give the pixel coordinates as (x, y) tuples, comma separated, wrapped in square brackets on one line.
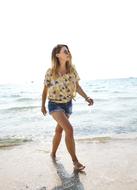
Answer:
[(62, 89)]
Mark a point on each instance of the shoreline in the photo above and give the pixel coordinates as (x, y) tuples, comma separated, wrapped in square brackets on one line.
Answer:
[(9, 142)]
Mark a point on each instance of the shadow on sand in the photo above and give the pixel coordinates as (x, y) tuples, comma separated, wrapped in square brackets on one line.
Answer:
[(69, 181)]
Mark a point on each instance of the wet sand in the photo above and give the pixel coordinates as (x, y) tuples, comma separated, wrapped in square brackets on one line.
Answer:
[(110, 165)]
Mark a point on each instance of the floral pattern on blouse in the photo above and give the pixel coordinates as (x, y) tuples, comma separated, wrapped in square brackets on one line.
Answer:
[(62, 89)]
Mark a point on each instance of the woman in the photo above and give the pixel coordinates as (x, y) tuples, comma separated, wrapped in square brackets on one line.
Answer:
[(61, 85)]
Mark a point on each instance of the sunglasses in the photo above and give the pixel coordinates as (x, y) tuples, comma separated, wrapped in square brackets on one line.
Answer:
[(66, 52)]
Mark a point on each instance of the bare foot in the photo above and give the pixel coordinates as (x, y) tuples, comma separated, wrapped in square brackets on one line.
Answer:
[(78, 166)]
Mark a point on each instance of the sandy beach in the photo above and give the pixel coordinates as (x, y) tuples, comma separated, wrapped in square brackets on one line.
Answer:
[(110, 165)]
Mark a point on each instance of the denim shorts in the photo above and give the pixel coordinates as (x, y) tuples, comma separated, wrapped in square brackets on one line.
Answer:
[(65, 107)]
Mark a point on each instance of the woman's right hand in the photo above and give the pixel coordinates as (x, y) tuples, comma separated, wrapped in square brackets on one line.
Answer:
[(43, 110)]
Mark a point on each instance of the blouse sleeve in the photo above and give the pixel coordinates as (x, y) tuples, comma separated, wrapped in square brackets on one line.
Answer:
[(47, 78), (76, 74)]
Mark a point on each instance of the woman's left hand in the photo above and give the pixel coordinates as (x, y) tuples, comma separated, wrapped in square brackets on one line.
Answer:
[(90, 101)]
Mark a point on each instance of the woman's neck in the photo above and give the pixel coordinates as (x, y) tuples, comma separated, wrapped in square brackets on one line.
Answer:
[(62, 66), (62, 69)]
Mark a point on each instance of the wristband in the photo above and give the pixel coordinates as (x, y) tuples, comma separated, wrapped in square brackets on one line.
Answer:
[(87, 98)]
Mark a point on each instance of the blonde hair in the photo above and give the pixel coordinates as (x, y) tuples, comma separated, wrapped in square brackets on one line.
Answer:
[(56, 63)]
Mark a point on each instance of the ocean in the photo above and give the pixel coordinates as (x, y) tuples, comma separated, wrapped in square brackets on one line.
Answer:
[(113, 115)]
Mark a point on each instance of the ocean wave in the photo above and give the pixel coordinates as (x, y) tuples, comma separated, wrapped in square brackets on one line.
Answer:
[(94, 139), (22, 108), (26, 99), (101, 99), (126, 98), (10, 142), (100, 90), (105, 139), (116, 98), (10, 96)]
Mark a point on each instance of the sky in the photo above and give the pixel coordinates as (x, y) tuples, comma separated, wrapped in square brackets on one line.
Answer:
[(101, 35)]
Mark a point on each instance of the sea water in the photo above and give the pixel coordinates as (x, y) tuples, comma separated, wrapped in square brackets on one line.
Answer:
[(114, 111)]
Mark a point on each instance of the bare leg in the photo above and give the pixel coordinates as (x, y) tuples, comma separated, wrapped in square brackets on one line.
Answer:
[(56, 140), (63, 121)]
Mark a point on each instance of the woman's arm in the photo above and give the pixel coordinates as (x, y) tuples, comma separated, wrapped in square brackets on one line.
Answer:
[(84, 95), (44, 96)]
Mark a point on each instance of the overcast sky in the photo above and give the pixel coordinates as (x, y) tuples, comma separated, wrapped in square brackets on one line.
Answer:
[(101, 35)]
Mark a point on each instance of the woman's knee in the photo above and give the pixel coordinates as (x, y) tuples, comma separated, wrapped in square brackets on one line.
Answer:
[(58, 130), (69, 131)]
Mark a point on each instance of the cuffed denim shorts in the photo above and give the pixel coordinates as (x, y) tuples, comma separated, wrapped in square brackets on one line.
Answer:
[(65, 107)]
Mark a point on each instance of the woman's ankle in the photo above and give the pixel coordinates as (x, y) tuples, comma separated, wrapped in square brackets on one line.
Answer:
[(53, 155), (75, 161)]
